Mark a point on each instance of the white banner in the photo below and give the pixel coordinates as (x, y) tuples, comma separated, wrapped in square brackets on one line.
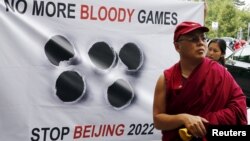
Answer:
[(85, 70)]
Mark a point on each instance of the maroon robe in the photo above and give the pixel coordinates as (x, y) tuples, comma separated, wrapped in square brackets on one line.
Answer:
[(210, 92)]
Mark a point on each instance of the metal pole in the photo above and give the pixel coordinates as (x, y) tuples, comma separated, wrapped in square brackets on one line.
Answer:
[(240, 33), (248, 33)]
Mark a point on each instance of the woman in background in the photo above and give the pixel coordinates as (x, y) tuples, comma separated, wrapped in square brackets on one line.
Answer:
[(217, 50)]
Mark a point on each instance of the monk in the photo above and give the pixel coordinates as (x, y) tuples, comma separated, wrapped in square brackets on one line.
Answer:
[(196, 92)]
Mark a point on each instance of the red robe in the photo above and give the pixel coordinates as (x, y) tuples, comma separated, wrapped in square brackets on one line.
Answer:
[(210, 92)]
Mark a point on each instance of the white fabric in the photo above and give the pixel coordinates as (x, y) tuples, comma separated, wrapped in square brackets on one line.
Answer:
[(28, 105)]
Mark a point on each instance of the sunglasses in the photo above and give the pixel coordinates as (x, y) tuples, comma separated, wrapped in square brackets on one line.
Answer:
[(193, 38)]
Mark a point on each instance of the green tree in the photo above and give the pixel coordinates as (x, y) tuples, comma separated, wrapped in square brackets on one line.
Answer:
[(229, 17)]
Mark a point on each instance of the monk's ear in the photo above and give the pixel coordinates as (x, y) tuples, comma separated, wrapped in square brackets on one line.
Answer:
[(177, 46)]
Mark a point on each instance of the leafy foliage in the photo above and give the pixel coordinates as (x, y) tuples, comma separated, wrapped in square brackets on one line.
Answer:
[(229, 17)]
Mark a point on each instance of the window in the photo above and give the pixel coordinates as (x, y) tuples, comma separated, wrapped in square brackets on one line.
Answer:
[(245, 55)]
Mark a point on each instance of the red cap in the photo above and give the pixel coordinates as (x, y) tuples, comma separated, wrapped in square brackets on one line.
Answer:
[(186, 27)]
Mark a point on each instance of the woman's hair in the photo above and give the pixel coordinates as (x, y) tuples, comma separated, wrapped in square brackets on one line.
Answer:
[(222, 44)]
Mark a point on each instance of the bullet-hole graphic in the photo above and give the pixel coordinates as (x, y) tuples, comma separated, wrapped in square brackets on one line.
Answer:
[(120, 94), (102, 55), (58, 49), (132, 56), (70, 86)]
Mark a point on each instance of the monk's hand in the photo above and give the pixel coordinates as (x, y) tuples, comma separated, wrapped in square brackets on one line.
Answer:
[(195, 125)]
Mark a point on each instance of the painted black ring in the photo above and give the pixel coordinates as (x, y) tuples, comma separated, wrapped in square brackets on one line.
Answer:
[(120, 94), (70, 86), (131, 56), (58, 49), (102, 56)]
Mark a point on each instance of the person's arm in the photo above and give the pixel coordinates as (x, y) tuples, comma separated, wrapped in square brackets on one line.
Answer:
[(163, 121)]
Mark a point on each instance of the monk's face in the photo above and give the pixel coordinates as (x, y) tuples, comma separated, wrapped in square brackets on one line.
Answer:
[(192, 46)]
